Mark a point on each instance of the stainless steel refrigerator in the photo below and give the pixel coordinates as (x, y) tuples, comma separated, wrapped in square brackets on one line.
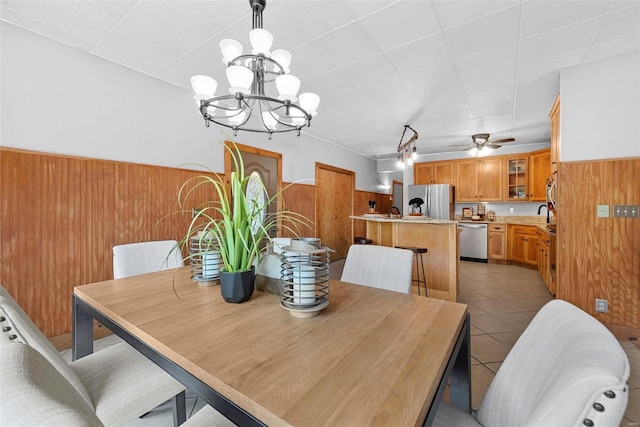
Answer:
[(435, 201)]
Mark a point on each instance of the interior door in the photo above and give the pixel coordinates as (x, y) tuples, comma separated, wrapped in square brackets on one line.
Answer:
[(334, 205), (268, 165)]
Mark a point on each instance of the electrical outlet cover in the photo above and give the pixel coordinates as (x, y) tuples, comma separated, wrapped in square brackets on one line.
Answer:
[(602, 211)]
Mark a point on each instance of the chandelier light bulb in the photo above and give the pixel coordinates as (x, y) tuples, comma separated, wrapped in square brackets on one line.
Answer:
[(236, 117), (230, 49), (298, 120), (261, 41), (288, 87), (240, 79), (270, 120), (414, 154), (409, 161), (204, 86), (282, 57), (309, 102)]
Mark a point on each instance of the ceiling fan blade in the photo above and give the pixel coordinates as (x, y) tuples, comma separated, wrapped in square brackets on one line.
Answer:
[(468, 148), (492, 146), (499, 141), (459, 145)]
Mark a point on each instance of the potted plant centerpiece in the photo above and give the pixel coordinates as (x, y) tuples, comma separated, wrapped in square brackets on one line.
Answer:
[(235, 224)]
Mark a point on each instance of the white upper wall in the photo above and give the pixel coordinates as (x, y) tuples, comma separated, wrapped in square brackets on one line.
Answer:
[(58, 99), (600, 109)]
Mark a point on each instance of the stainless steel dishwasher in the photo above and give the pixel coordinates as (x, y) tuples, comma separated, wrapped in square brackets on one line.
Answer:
[(473, 242)]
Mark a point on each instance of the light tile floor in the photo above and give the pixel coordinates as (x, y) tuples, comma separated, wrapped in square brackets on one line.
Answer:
[(502, 300)]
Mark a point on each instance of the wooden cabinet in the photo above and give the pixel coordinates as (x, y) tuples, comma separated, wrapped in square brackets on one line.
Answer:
[(516, 178), (539, 167), (433, 173), (523, 244), (497, 242), (554, 115), (479, 180), (544, 264)]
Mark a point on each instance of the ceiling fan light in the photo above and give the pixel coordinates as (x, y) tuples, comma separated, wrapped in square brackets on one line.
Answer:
[(261, 41), (230, 49), (282, 57), (288, 87), (473, 151), (270, 120), (482, 152), (204, 86), (240, 79), (309, 102)]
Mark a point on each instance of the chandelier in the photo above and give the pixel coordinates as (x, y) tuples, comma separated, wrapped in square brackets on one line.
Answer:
[(247, 107), (405, 152)]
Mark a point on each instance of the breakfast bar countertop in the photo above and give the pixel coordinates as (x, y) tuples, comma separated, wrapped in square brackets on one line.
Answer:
[(417, 219)]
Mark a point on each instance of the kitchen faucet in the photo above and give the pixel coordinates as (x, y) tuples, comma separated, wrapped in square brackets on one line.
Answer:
[(544, 206), (393, 208)]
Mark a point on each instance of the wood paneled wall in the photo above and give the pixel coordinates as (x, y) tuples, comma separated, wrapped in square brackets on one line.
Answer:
[(599, 257), (300, 198), (361, 206), (62, 215)]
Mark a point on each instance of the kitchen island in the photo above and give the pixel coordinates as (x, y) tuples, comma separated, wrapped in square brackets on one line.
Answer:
[(440, 237)]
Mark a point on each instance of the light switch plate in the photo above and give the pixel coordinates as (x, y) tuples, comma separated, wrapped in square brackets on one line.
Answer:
[(602, 211)]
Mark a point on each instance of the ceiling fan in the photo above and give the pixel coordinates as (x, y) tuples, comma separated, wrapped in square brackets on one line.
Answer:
[(480, 141)]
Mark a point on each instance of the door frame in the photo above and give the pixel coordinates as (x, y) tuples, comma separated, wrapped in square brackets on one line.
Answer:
[(352, 174)]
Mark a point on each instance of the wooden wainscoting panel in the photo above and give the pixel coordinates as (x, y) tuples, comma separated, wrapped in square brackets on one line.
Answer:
[(361, 206), (300, 198), (600, 257), (62, 215)]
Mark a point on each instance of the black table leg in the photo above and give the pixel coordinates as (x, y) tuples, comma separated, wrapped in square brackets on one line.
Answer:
[(82, 333), (460, 379)]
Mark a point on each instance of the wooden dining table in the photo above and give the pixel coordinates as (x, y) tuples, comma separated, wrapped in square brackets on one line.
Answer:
[(371, 357)]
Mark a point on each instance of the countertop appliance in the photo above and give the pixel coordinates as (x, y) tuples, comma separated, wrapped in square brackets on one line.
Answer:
[(473, 242), (438, 200)]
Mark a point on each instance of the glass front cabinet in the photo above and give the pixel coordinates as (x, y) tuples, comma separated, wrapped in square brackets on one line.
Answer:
[(517, 178)]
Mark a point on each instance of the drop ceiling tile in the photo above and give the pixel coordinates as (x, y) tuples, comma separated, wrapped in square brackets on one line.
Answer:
[(345, 45), (417, 20), (491, 123), (72, 18), (216, 15), (306, 63), (622, 4), (115, 9), (540, 16), (608, 49), (205, 59), (498, 79), (453, 13), (484, 33), (362, 8), (558, 42), (534, 71), (166, 25), (420, 54), (307, 19), (368, 71), (619, 25), (45, 30), (498, 58), (124, 44), (333, 83), (427, 82)]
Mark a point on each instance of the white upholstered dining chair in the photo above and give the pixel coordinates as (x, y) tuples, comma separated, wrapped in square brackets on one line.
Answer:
[(380, 267), (118, 383), (145, 257), (566, 369)]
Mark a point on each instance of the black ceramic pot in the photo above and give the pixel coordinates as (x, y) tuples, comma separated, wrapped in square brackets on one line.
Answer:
[(237, 286)]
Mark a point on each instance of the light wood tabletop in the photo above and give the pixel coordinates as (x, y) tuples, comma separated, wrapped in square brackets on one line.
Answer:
[(372, 357)]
